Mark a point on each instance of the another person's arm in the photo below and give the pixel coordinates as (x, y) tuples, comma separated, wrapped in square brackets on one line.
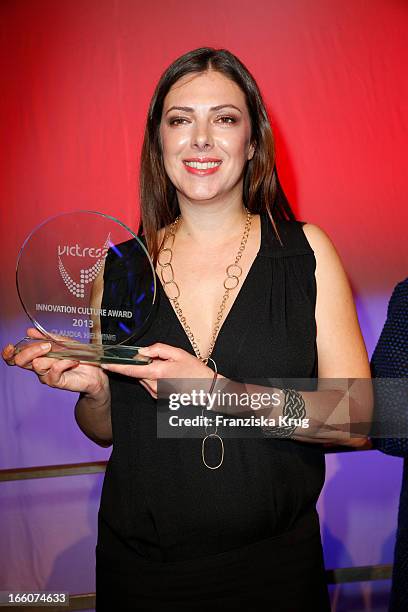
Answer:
[(389, 363)]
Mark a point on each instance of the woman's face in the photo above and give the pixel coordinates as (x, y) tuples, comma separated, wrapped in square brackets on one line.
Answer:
[(205, 133)]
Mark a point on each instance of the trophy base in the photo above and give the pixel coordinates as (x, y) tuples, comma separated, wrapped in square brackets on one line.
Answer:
[(91, 353)]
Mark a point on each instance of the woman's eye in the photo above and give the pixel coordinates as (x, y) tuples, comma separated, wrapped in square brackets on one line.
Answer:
[(177, 120), (227, 119)]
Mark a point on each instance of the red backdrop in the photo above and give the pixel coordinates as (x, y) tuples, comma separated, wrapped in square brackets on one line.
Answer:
[(78, 76)]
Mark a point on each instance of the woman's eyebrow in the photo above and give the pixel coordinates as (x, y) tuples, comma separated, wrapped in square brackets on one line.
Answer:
[(188, 109)]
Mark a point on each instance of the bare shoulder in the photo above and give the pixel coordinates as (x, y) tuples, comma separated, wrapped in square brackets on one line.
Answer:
[(326, 254), (317, 237)]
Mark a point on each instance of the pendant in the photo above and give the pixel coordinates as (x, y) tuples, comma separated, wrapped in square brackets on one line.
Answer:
[(212, 435)]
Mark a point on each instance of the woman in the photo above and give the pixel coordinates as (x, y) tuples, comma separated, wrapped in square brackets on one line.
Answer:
[(174, 534)]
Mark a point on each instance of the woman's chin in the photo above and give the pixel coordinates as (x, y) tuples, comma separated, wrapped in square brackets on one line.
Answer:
[(201, 195)]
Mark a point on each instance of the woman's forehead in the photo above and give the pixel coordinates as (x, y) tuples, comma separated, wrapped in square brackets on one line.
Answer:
[(209, 88)]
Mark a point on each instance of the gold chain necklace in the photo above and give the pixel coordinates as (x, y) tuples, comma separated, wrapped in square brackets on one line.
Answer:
[(234, 271)]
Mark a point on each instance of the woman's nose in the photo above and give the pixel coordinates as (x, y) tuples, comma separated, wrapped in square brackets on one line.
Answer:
[(202, 137)]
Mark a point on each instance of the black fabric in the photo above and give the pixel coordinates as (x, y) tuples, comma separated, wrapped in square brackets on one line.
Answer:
[(390, 360), (174, 534)]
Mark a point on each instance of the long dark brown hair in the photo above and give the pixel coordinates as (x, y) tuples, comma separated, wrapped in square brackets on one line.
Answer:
[(261, 190)]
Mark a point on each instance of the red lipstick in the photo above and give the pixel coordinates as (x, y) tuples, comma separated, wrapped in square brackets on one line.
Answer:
[(202, 160)]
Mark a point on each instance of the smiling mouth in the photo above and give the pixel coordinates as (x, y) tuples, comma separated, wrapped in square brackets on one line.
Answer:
[(202, 165)]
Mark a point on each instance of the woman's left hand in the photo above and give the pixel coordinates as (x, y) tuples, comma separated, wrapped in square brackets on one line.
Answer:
[(168, 362)]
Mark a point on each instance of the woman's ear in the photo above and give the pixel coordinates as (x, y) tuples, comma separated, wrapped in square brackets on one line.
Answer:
[(251, 151)]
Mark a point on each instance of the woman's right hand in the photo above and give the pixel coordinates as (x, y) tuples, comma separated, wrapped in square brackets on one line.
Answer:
[(65, 374)]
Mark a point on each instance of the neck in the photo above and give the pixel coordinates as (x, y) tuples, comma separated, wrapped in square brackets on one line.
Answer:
[(211, 224)]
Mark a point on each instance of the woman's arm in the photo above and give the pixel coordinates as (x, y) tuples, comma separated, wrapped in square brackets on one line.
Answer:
[(341, 350), (340, 345), (93, 416)]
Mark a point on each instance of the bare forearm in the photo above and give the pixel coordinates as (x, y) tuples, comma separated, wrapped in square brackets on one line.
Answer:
[(337, 411), (327, 415), (93, 415)]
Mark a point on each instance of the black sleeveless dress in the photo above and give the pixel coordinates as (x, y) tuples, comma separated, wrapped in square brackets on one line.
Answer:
[(174, 535)]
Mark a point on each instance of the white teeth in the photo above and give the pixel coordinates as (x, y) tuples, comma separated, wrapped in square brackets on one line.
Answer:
[(202, 165)]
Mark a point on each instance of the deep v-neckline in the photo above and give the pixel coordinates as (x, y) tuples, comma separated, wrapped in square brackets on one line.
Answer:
[(235, 303)]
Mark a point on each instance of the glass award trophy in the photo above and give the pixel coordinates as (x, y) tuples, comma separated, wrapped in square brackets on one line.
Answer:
[(88, 284)]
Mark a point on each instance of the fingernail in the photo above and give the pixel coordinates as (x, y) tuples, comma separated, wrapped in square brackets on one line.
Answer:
[(46, 346)]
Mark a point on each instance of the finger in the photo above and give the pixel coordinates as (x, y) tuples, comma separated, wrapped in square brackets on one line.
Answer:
[(162, 351), (51, 371), (151, 385), (44, 364), (27, 354), (8, 354), (8, 350), (149, 389), (153, 389), (134, 371), (144, 384), (33, 332)]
